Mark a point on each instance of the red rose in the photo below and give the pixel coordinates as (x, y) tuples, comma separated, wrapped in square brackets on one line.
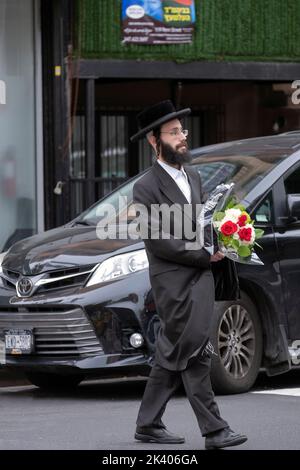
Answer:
[(242, 220), (228, 228), (245, 234)]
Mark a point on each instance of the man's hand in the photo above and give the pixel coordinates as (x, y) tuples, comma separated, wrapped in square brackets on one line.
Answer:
[(218, 256)]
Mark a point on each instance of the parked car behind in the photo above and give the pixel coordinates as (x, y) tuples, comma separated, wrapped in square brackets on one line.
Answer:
[(73, 306)]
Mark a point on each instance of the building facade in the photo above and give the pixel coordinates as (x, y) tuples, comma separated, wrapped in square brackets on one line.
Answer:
[(70, 89), (236, 76)]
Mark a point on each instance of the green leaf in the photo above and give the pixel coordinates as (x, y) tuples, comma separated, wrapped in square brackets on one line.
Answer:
[(244, 251), (259, 233), (226, 240), (239, 206), (218, 216), (232, 202), (235, 244)]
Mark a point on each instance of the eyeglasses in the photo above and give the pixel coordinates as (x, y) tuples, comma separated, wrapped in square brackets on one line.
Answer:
[(177, 132)]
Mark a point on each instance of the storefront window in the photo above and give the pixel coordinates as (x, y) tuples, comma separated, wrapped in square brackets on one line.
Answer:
[(17, 122)]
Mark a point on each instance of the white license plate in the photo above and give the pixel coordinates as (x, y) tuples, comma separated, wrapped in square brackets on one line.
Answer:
[(19, 341)]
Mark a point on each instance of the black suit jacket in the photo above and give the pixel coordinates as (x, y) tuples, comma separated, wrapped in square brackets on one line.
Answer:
[(182, 280), (157, 187)]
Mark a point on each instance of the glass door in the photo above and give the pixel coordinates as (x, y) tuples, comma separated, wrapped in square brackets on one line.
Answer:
[(17, 122)]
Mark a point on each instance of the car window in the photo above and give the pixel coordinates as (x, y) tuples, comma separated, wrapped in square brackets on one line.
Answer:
[(292, 182), (215, 173), (244, 163), (121, 200), (264, 212)]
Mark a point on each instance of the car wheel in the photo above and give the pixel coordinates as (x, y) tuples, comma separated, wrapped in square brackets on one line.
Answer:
[(237, 339), (53, 381)]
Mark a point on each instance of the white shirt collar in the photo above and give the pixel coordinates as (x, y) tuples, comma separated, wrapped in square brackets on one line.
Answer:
[(172, 170)]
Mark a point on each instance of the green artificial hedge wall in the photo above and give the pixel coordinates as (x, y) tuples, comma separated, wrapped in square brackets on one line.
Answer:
[(256, 30)]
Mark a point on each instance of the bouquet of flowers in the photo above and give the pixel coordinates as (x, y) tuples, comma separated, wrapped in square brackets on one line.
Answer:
[(236, 235)]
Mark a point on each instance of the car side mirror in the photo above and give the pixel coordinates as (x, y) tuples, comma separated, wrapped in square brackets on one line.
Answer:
[(293, 201)]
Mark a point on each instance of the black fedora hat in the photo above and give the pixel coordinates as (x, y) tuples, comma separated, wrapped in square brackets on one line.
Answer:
[(156, 115)]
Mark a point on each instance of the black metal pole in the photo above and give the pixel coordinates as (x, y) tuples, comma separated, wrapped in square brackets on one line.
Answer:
[(90, 137), (56, 26)]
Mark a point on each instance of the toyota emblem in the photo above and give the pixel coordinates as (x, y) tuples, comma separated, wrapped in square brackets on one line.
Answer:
[(24, 287)]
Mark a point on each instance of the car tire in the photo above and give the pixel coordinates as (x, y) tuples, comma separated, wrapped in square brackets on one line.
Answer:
[(53, 381), (238, 343)]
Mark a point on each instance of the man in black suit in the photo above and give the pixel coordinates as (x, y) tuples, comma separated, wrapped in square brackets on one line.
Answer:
[(182, 284)]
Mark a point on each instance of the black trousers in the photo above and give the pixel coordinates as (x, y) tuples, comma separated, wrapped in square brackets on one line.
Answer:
[(163, 383)]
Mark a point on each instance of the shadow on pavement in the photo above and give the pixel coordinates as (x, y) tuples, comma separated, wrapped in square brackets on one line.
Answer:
[(131, 388)]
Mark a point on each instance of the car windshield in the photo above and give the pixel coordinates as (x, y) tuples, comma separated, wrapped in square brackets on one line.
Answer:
[(120, 200), (243, 162)]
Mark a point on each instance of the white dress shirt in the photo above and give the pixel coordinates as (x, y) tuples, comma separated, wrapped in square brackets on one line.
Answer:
[(180, 178)]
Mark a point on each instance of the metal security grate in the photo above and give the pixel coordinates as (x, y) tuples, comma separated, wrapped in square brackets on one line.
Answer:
[(57, 332)]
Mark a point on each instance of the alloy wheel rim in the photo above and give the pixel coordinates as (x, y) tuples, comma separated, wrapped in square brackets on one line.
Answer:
[(236, 341)]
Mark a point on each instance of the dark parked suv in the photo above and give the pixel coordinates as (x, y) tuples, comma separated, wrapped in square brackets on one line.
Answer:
[(74, 306)]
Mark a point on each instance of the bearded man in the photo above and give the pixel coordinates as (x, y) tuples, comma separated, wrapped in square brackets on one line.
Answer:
[(183, 288)]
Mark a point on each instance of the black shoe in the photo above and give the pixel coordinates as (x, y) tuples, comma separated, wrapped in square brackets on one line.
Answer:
[(157, 435), (224, 438)]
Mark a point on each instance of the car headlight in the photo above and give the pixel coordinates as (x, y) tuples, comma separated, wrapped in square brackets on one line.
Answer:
[(118, 266)]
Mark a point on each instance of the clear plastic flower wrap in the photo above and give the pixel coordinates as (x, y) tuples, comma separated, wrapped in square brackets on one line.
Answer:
[(226, 226)]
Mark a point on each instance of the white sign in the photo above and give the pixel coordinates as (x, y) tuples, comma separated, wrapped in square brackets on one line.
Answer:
[(2, 92), (135, 11)]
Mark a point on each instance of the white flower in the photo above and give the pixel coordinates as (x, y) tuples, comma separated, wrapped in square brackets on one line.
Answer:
[(232, 214)]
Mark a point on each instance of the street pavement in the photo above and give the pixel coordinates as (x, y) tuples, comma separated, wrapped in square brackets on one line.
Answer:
[(101, 415)]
